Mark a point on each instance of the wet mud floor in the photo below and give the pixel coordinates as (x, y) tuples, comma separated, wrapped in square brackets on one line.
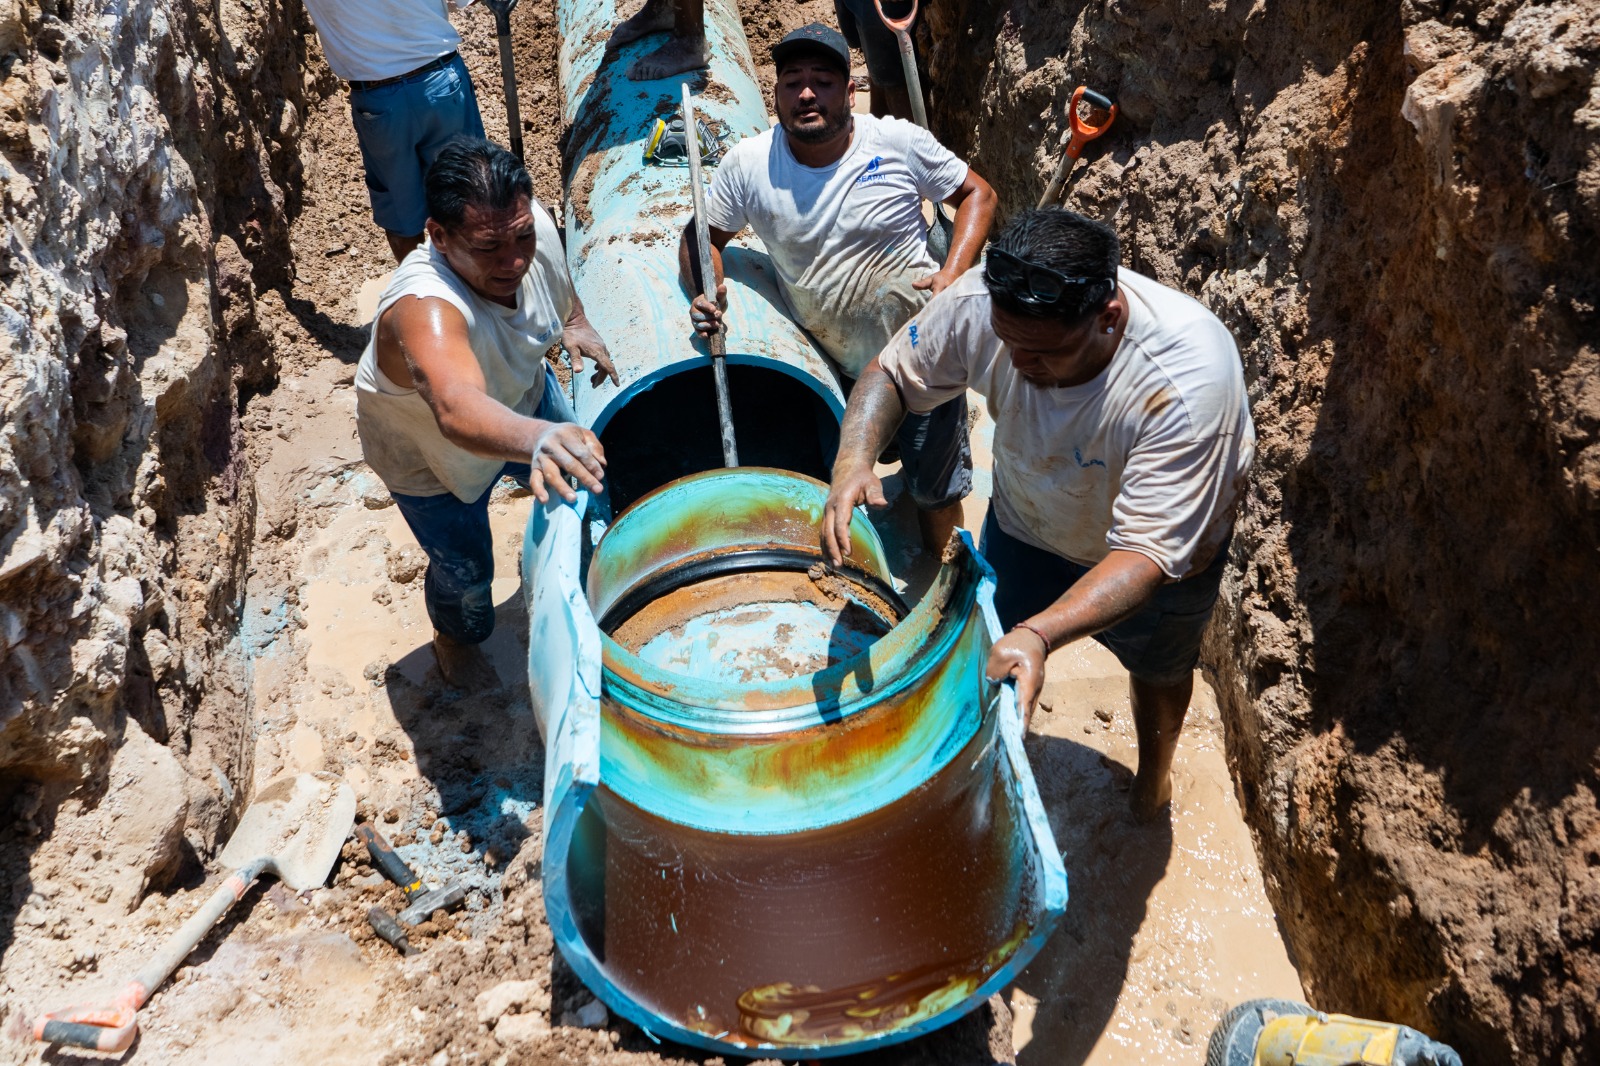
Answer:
[(1167, 926)]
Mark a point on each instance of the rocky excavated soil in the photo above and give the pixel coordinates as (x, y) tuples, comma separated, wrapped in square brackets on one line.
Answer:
[(1394, 208)]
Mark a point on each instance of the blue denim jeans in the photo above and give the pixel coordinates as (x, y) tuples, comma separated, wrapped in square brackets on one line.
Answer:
[(1159, 645), (459, 587), (401, 128)]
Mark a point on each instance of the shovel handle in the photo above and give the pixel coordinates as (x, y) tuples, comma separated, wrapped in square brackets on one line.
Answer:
[(508, 71), (112, 1028), (901, 28)]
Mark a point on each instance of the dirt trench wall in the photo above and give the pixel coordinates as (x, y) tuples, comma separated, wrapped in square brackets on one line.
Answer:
[(1395, 207), (147, 162)]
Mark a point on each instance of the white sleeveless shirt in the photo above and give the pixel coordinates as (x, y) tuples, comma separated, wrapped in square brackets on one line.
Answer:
[(400, 436)]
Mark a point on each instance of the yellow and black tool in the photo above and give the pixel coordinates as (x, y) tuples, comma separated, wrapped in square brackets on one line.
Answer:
[(1278, 1032), (668, 145), (388, 863)]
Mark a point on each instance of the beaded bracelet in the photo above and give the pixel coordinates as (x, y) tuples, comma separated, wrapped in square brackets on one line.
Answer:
[(1035, 632)]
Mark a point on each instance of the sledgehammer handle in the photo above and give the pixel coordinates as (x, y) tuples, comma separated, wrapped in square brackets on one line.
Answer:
[(708, 282)]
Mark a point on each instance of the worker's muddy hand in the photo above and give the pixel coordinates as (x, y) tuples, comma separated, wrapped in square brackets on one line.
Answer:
[(936, 282), (706, 318), (582, 341), (846, 493), (1020, 655), (565, 448)]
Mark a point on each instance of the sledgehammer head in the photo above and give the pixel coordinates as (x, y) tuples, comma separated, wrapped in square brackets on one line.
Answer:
[(440, 899)]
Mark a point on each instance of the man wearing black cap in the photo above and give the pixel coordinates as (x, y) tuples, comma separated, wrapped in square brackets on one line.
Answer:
[(836, 198)]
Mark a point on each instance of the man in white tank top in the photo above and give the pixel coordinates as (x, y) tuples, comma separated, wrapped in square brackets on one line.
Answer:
[(455, 390), (409, 95)]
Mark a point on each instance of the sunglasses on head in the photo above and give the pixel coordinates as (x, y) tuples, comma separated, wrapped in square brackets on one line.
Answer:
[(1030, 283)]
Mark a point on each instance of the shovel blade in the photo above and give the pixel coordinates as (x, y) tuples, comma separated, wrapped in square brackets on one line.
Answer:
[(301, 821)]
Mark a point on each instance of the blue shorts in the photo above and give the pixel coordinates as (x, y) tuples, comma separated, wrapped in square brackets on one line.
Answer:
[(861, 26), (1160, 645), (455, 536), (401, 128)]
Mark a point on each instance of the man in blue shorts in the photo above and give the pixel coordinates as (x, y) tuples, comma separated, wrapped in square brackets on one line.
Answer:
[(409, 95), (1122, 443)]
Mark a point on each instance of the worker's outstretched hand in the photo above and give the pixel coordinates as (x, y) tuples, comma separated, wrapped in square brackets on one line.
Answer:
[(935, 283), (707, 318), (1020, 655), (846, 493), (582, 341), (565, 448)]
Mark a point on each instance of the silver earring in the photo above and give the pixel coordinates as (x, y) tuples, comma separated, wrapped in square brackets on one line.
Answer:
[(1111, 329)]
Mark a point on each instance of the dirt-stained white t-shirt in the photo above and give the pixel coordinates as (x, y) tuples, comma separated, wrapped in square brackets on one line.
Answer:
[(400, 437), (1150, 456), (377, 39), (848, 240)]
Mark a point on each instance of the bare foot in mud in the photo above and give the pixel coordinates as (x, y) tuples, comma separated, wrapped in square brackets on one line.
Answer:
[(677, 56), (1147, 800), (464, 666), (655, 16)]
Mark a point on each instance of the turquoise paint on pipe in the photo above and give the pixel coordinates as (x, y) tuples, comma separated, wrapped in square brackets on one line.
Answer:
[(765, 770), (624, 216)]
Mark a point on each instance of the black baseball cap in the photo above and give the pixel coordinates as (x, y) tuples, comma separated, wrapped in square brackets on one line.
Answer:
[(816, 38)]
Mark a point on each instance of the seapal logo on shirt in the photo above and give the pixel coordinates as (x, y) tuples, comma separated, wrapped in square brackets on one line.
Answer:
[(872, 173), (912, 333), (1078, 455)]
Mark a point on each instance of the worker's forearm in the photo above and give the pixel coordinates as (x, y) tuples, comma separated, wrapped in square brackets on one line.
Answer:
[(576, 317), (874, 413), (689, 263), (974, 215), (1111, 592), (476, 422)]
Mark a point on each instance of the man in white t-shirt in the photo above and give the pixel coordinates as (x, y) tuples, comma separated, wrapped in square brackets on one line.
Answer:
[(836, 198), (409, 94), (455, 390), (1122, 443)]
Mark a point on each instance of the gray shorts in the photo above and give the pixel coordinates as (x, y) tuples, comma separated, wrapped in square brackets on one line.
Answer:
[(935, 453)]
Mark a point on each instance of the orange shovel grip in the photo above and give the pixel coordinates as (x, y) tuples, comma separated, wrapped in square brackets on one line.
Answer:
[(1083, 131)]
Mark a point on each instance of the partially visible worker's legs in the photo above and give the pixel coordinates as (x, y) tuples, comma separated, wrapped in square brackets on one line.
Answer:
[(401, 246), (861, 26), (400, 129), (458, 587), (1158, 713), (685, 50), (936, 461)]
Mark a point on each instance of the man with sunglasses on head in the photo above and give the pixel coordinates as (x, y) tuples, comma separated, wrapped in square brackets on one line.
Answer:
[(836, 198), (1122, 442)]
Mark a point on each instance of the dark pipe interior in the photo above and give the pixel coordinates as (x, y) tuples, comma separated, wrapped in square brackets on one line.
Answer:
[(672, 431)]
